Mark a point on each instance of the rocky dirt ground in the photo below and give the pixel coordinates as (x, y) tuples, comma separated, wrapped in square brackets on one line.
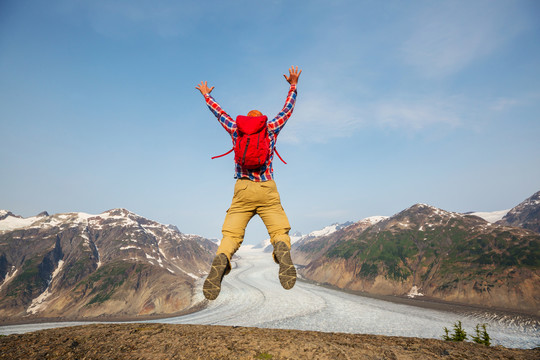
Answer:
[(165, 341)]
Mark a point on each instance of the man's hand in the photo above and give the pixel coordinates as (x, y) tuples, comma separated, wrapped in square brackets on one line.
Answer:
[(203, 88), (293, 75)]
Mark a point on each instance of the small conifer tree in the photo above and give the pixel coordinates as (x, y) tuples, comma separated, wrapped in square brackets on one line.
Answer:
[(446, 336), (459, 333), (482, 337)]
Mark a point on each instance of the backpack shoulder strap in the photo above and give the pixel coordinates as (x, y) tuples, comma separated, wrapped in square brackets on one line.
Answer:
[(279, 156), (227, 153)]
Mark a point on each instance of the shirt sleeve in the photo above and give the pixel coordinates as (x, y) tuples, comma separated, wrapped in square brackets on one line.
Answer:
[(276, 124), (224, 119)]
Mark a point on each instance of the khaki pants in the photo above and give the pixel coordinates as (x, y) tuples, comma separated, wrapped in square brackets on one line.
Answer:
[(254, 198)]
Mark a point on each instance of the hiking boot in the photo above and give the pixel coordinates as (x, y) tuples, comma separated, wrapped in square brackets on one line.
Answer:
[(287, 272), (212, 284)]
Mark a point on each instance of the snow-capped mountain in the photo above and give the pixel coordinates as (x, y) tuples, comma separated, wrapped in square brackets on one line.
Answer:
[(317, 242), (430, 251), (298, 237), (327, 230), (526, 215), (9, 221), (80, 265)]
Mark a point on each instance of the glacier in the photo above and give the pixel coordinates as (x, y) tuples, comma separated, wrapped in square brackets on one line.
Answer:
[(252, 296)]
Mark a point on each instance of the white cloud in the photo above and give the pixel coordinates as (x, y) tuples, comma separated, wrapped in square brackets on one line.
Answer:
[(319, 119), (448, 36)]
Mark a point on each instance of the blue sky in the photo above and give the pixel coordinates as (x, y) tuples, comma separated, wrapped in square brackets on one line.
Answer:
[(398, 103)]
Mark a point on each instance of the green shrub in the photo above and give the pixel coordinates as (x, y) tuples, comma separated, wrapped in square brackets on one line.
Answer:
[(369, 271), (481, 337)]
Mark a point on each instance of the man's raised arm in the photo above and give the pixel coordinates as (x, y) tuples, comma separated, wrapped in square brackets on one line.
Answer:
[(224, 119), (276, 124)]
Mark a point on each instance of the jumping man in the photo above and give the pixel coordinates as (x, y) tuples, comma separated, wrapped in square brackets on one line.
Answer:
[(255, 191)]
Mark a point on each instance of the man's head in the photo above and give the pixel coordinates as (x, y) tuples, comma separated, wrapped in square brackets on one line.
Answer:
[(254, 113)]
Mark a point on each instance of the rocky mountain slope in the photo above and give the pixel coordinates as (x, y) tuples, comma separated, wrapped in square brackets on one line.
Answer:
[(526, 215), (316, 243), (114, 264), (429, 251)]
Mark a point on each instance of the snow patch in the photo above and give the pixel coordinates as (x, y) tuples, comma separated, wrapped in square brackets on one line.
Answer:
[(150, 257), (492, 216), (375, 219), (86, 242), (187, 273), (84, 216), (39, 302), (51, 222), (414, 292), (57, 270), (98, 257), (9, 277), (14, 223), (293, 239), (130, 247), (324, 231)]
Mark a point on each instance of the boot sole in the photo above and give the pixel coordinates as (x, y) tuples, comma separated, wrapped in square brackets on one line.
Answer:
[(287, 271), (212, 284)]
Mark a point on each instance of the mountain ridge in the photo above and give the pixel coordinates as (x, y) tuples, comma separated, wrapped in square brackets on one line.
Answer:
[(424, 250), (113, 264), (525, 215)]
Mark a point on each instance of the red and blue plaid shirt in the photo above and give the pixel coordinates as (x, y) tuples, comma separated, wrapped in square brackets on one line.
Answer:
[(266, 172)]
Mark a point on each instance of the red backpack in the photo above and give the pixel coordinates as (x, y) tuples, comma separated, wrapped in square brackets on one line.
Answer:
[(252, 147)]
